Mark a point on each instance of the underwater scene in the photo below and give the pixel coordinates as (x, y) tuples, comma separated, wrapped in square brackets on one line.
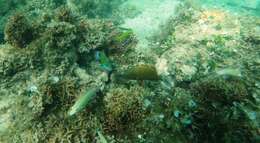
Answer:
[(129, 71)]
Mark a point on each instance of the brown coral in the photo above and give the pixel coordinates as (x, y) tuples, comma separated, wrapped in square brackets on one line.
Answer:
[(63, 91), (220, 90), (62, 35), (64, 14), (18, 31), (123, 107)]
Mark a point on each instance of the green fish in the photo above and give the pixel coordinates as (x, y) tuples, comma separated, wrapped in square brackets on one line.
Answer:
[(83, 101), (229, 72), (124, 37), (104, 61), (102, 138)]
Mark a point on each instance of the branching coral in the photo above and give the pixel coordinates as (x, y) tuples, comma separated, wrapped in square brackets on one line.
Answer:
[(64, 14), (18, 31), (123, 107), (62, 91), (95, 35), (62, 35), (14, 61)]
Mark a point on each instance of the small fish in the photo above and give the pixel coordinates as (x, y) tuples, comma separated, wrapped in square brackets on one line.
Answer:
[(83, 101), (125, 37), (229, 72), (102, 138), (140, 72), (104, 61)]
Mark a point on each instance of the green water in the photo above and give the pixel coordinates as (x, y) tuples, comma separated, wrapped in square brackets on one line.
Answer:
[(239, 6), (129, 71)]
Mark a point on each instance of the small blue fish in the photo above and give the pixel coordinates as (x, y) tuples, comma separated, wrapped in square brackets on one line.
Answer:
[(177, 113), (104, 61)]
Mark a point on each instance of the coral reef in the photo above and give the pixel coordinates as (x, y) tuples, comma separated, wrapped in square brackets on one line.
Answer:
[(193, 78), (41, 70), (170, 118), (212, 109)]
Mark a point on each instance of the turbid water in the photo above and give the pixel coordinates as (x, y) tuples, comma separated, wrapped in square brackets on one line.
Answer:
[(148, 22)]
